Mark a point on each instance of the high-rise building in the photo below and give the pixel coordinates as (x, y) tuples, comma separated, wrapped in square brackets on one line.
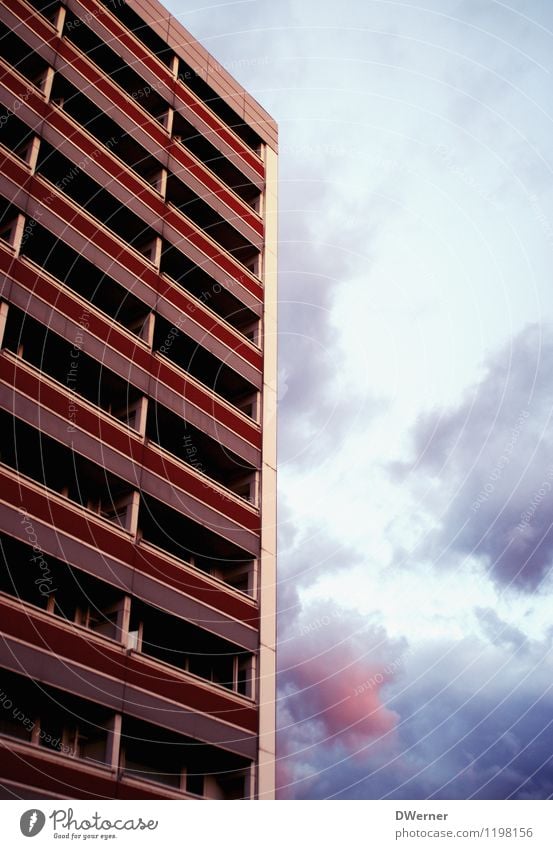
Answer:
[(138, 401)]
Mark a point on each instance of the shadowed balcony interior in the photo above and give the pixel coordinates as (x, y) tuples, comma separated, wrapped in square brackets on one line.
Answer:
[(185, 133), (23, 59), (167, 529), (70, 593), (48, 8), (16, 136), (209, 221), (81, 374), (141, 30), (226, 113), (97, 201), (99, 124), (55, 720), (8, 220), (198, 450), (85, 278), (150, 753), (183, 645), (47, 582), (213, 295), (110, 63), (174, 344), (46, 461)]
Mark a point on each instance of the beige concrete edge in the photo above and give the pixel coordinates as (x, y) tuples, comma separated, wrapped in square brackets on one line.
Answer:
[(267, 651)]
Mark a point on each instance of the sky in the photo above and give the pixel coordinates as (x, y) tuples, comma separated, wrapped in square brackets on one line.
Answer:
[(415, 388)]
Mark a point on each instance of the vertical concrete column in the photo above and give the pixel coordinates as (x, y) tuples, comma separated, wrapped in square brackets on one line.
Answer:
[(124, 619), (32, 153), (113, 742), (174, 66), (48, 82), (17, 231), (4, 308), (59, 20)]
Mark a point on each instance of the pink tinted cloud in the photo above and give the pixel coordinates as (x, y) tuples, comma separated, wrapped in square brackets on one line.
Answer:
[(344, 693), (335, 676), (335, 702)]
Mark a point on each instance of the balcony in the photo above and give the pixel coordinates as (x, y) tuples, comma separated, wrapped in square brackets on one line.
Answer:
[(72, 432), (54, 586), (173, 343), (190, 445), (209, 203), (121, 353), (238, 141), (103, 549), (135, 220), (79, 749), (89, 665), (24, 60), (57, 467)]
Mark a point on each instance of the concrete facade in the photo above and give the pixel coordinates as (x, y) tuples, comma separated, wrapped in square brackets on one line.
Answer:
[(138, 367)]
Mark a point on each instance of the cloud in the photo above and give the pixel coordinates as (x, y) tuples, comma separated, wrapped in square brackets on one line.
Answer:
[(333, 667), (484, 469), (470, 720), (366, 716)]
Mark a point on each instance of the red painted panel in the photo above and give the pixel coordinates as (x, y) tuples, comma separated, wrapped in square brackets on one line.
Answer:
[(108, 332), (76, 522), (62, 779), (127, 443), (184, 94), (113, 661), (173, 293)]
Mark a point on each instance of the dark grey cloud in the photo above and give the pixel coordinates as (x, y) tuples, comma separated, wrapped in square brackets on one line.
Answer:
[(485, 468), (498, 632), (473, 721)]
